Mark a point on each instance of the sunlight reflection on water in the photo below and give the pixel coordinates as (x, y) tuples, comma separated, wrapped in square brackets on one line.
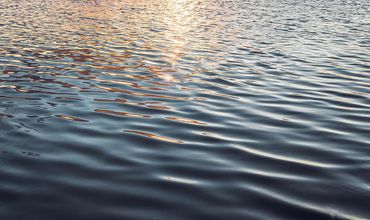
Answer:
[(184, 109)]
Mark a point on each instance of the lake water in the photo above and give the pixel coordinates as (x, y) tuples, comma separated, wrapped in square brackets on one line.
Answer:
[(184, 109)]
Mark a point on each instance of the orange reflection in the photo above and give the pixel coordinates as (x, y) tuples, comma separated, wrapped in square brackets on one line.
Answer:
[(155, 137), (185, 120), (70, 118), (125, 114)]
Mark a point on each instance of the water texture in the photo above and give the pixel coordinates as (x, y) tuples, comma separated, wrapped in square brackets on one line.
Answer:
[(184, 109)]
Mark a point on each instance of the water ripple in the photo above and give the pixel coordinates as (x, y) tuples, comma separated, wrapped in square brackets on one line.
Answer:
[(184, 109)]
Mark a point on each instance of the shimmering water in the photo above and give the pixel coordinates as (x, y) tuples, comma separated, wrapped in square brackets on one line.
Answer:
[(184, 109)]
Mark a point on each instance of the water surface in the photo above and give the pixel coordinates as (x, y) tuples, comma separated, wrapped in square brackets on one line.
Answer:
[(184, 109)]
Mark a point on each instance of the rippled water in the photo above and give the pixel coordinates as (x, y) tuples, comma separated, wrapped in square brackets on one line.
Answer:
[(184, 109)]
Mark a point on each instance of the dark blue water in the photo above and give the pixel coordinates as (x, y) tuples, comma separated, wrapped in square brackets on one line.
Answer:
[(184, 109)]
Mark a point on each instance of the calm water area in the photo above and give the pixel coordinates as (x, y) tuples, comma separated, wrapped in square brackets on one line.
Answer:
[(184, 109)]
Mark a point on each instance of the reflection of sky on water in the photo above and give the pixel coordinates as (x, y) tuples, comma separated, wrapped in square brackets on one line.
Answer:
[(227, 98)]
